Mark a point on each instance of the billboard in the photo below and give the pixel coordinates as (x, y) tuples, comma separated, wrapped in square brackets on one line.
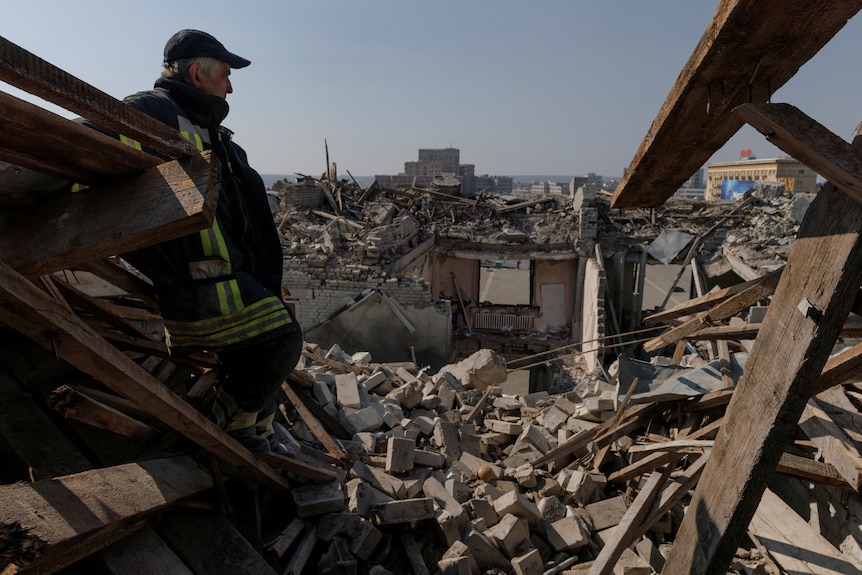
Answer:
[(735, 189)]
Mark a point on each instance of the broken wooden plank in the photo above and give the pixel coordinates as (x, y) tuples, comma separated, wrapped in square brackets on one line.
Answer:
[(811, 302), (32, 74), (622, 536), (840, 368), (725, 332), (700, 303), (576, 445), (726, 366), (209, 543), (655, 460), (165, 202), (789, 129), (728, 308), (41, 450), (106, 500), (300, 467), (40, 140), (115, 274), (832, 438), (302, 553), (817, 471), (748, 51), (141, 553), (794, 544), (35, 314), (614, 424), (98, 309), (314, 424), (77, 406)]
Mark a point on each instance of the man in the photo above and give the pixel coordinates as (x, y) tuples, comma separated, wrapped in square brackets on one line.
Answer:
[(220, 289)]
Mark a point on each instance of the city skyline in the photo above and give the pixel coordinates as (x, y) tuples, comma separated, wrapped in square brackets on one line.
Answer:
[(538, 88)]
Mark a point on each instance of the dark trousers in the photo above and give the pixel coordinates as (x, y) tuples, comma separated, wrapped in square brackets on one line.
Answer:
[(253, 374)]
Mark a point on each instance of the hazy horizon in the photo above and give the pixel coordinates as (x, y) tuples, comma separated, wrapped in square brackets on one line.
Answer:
[(518, 87)]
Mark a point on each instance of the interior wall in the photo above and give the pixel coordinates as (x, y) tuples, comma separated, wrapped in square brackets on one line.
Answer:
[(373, 326), (551, 272), (467, 275), (593, 320)]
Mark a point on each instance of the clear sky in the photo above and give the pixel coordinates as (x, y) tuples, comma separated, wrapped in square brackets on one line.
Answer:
[(541, 87)]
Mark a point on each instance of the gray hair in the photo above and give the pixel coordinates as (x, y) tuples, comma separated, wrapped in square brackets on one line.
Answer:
[(179, 69)]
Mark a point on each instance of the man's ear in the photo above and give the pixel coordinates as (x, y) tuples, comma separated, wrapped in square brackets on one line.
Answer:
[(195, 74)]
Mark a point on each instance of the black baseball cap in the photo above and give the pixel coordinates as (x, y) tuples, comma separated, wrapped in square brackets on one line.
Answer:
[(194, 44)]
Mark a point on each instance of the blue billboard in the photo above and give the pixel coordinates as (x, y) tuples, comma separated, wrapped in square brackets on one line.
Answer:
[(735, 189)]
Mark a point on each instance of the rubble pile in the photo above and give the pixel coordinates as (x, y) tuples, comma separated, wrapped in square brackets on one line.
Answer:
[(448, 474), (339, 224), (753, 237)]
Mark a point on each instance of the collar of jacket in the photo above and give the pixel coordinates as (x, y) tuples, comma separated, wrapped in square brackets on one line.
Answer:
[(203, 109)]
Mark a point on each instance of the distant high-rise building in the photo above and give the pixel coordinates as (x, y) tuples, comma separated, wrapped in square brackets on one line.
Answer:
[(591, 183), (549, 187), (439, 163), (694, 188)]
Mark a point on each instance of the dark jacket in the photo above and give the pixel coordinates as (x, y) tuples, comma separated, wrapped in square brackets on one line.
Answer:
[(221, 287)]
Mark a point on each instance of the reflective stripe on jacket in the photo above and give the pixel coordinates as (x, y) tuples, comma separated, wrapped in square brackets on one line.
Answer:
[(219, 287)]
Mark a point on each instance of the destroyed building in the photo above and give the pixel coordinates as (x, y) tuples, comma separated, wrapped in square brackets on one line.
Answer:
[(734, 450)]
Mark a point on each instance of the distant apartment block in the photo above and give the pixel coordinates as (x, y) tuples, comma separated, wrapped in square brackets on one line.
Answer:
[(694, 188), (591, 184), (730, 180), (550, 188), (441, 164)]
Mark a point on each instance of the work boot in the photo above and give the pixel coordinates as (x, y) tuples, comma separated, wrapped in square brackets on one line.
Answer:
[(248, 438), (238, 423), (265, 428)]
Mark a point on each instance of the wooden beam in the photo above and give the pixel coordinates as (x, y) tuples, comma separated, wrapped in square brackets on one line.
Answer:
[(35, 138), (789, 129), (577, 444), (32, 312), (748, 51), (49, 524), (817, 471), (142, 553), (655, 460), (725, 332), (171, 200), (836, 440), (812, 301), (623, 534), (135, 286), (795, 545), (79, 407), (730, 307), (42, 450), (209, 543), (32, 74), (840, 368), (98, 309), (701, 303), (314, 424)]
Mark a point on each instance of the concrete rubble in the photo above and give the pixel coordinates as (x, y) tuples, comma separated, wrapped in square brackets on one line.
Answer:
[(476, 480), (750, 239)]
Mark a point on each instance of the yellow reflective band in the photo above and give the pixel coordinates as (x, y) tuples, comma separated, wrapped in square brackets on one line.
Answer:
[(213, 245), (229, 298), (130, 142), (258, 318), (193, 137)]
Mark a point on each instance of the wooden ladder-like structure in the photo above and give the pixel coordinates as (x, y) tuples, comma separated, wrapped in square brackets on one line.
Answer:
[(749, 50)]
